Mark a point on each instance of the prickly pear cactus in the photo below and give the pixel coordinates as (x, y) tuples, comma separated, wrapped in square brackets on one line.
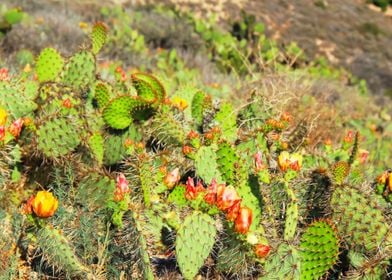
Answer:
[(58, 252), (98, 37), (49, 65), (79, 70), (358, 218), (206, 165), (319, 250), (194, 243)]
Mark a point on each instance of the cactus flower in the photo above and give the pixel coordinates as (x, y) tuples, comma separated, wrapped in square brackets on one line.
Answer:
[(3, 116), (390, 183), (295, 162), (226, 197), (232, 212), (172, 178), (16, 127), (284, 160), (212, 189), (349, 138), (67, 103), (243, 221), (2, 132), (122, 187), (258, 162), (262, 250), (191, 190), (180, 103), (382, 179), (363, 155), (4, 74), (186, 150), (44, 204)]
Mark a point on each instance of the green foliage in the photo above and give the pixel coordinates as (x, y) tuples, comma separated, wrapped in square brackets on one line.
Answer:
[(194, 242), (319, 250)]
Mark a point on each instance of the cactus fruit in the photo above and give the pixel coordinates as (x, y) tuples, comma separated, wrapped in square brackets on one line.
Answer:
[(319, 249), (79, 71), (49, 65), (58, 252), (98, 37), (148, 87), (194, 243), (358, 218)]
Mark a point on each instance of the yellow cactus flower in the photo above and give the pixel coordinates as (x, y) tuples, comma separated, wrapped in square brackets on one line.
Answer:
[(44, 204), (3, 116), (284, 160), (180, 103)]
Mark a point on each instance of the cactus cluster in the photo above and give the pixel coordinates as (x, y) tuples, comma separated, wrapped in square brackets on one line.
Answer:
[(123, 179)]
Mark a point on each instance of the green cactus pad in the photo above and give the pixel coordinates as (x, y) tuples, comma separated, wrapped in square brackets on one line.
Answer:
[(117, 114), (102, 94), (206, 165), (58, 252), (226, 159), (177, 196), (114, 148), (148, 87), (49, 65), (79, 71), (200, 103), (95, 191), (358, 218), (96, 145), (58, 137), (98, 37), (340, 171), (227, 120), (194, 243), (167, 129), (15, 101), (283, 264), (319, 250), (291, 218)]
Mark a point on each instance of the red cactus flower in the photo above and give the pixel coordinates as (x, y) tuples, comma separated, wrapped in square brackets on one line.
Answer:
[(122, 187), (363, 155), (212, 189), (349, 137), (226, 197), (2, 132), (16, 127), (262, 250), (4, 74), (232, 212), (243, 220), (191, 190)]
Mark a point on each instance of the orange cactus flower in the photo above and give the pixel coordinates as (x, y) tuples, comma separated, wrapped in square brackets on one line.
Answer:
[(363, 155), (262, 250), (212, 189), (4, 74), (226, 197), (382, 179), (243, 220), (180, 103), (192, 135), (295, 162), (186, 150), (390, 182), (44, 204), (67, 103), (349, 138), (232, 212), (16, 127), (172, 178)]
